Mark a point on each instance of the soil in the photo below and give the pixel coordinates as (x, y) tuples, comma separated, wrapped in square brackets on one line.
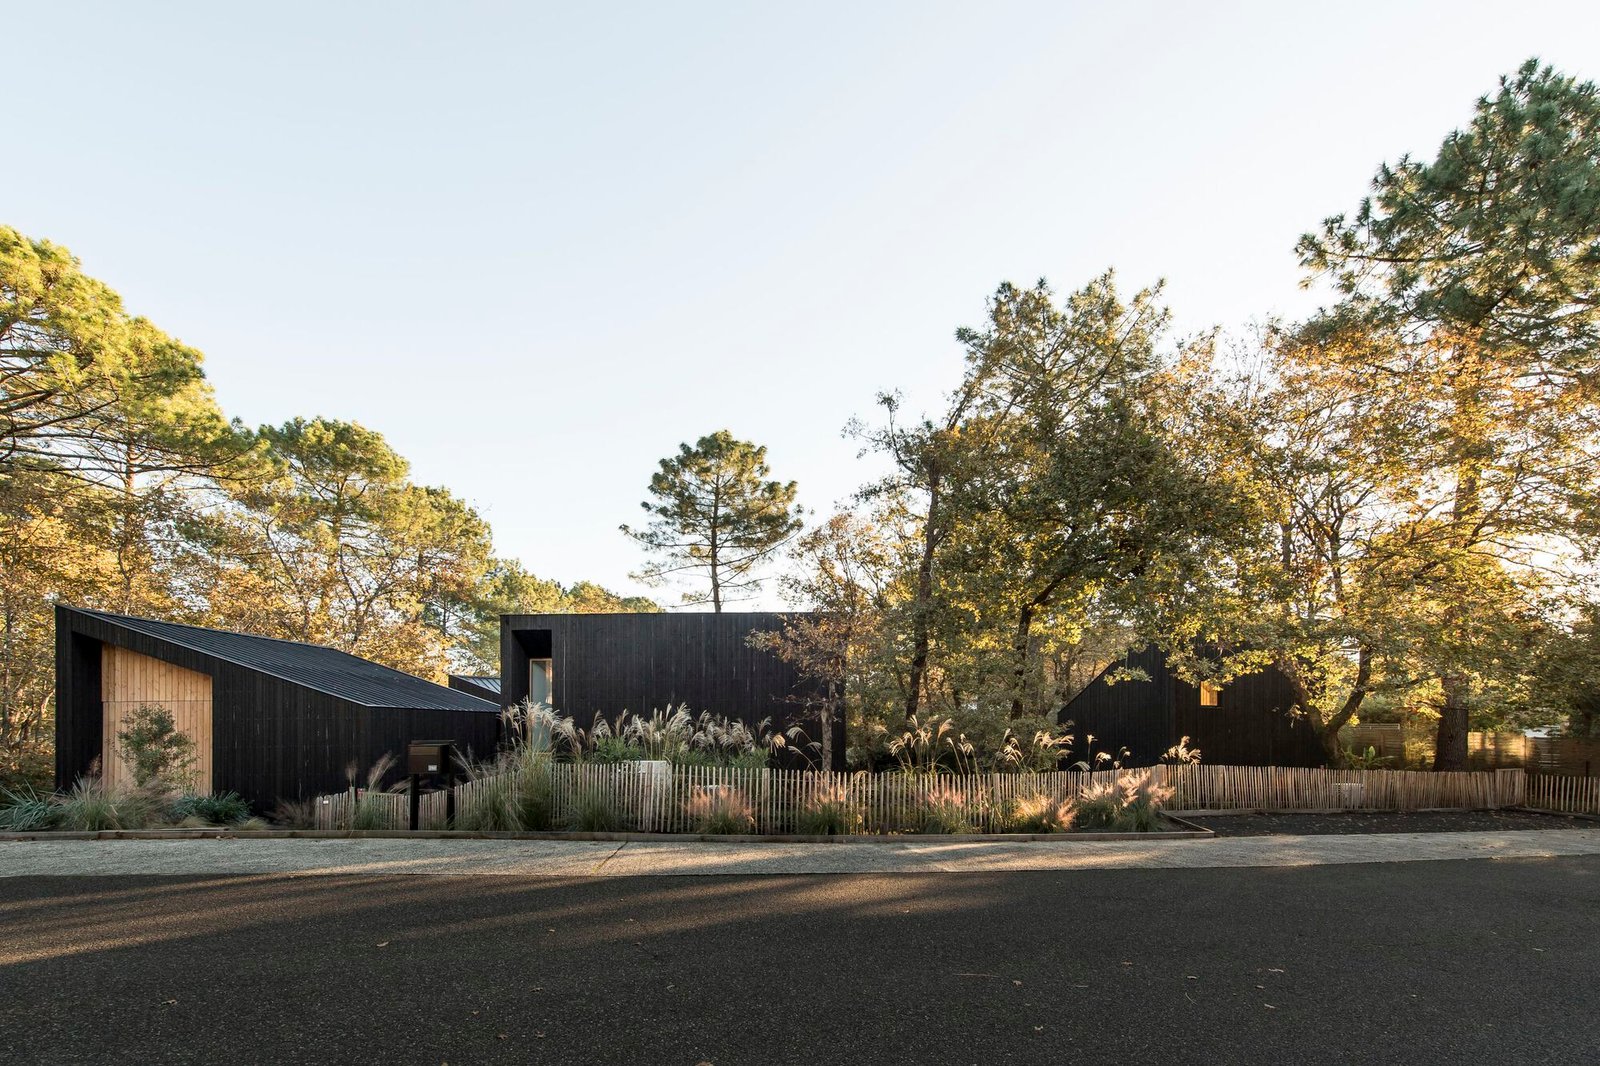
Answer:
[(1255, 825)]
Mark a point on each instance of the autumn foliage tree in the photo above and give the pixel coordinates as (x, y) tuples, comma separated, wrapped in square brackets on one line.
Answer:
[(1482, 269)]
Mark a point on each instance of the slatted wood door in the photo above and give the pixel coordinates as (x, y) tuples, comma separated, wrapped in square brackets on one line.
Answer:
[(128, 681)]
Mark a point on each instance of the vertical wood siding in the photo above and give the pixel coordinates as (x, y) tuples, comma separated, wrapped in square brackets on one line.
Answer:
[(1253, 723), (606, 663), (129, 681)]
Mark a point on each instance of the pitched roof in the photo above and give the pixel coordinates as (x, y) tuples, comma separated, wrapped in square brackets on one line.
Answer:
[(489, 682), (337, 673)]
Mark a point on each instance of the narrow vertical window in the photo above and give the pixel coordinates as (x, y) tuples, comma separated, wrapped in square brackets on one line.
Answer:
[(1208, 694), (540, 682)]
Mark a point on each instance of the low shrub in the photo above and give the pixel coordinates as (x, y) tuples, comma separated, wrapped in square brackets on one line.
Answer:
[(225, 809), (1100, 808), (1041, 813), (1142, 800), (487, 809), (92, 806), (615, 749), (533, 805), (369, 812), (831, 812), (1367, 759), (594, 811), (26, 811), (722, 811), (756, 759), (155, 749), (295, 814), (943, 810), (1130, 804)]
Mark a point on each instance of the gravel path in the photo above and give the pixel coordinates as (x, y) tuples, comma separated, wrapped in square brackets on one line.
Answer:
[(546, 858)]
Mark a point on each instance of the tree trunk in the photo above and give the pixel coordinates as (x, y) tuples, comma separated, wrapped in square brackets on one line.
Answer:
[(1019, 652), (1468, 424), (715, 543), (1347, 711), (1024, 639), (826, 720), (922, 605), (1450, 743)]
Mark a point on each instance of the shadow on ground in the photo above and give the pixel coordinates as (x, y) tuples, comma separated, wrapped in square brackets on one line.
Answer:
[(1422, 962)]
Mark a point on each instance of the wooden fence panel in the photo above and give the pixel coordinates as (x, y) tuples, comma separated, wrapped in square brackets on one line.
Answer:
[(644, 797)]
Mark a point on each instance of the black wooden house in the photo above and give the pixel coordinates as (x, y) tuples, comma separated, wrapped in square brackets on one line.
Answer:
[(589, 664), (1250, 721), (272, 719)]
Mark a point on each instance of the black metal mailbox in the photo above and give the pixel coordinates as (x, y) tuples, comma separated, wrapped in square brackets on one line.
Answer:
[(428, 757)]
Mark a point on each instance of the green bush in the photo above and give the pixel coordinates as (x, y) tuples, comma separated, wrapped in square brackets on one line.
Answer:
[(154, 748), (224, 809), (1142, 800), (296, 814), (369, 814), (27, 767), (92, 806), (26, 811), (533, 808), (1100, 809), (488, 808), (615, 749), (594, 811), (1369, 759), (1130, 804)]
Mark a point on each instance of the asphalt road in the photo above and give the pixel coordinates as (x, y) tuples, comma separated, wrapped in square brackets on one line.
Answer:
[(1450, 962)]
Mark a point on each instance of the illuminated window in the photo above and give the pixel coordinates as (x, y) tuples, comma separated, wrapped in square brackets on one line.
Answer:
[(1208, 694)]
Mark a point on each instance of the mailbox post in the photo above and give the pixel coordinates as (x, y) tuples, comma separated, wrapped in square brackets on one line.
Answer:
[(430, 758)]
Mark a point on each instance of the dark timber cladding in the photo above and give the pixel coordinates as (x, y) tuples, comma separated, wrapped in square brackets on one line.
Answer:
[(606, 663), (286, 717), (1252, 724)]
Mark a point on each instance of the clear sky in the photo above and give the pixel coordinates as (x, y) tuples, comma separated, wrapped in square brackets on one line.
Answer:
[(537, 246)]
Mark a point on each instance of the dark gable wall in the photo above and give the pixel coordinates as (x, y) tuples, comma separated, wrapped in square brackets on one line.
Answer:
[(271, 739), (1250, 726), (78, 721), (605, 663), (1137, 715)]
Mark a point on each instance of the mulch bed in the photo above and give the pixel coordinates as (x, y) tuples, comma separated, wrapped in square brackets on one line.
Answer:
[(1257, 825)]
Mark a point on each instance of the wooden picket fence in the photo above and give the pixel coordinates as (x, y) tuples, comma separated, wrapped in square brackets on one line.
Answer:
[(657, 798), (1557, 792), (1294, 788)]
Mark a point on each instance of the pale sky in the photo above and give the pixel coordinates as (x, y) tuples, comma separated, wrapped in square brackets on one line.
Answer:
[(537, 246)]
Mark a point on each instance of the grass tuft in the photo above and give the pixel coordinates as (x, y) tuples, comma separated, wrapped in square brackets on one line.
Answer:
[(723, 811), (1041, 813), (831, 812)]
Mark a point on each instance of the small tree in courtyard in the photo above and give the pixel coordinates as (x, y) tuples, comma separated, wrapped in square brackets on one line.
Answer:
[(154, 748)]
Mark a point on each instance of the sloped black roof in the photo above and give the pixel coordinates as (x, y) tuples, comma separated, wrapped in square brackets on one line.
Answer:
[(490, 682), (337, 673)]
